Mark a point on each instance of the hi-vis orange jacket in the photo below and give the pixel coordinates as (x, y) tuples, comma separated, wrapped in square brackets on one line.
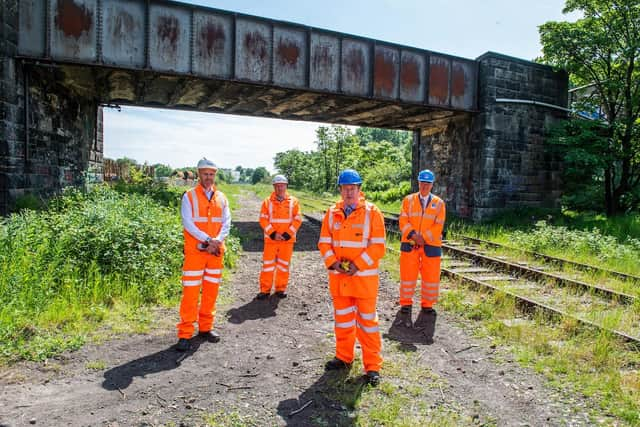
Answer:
[(207, 215), (428, 222), (280, 216), (359, 238)]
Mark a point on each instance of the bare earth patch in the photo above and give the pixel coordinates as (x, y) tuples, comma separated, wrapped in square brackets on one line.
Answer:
[(269, 365)]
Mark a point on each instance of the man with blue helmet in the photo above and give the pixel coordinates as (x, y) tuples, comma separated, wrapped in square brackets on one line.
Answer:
[(421, 222), (352, 242)]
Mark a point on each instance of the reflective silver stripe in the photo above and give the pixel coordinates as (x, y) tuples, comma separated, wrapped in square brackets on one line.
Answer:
[(377, 240), (290, 209), (334, 272), (347, 310), (297, 217), (439, 221), (349, 244), (430, 283), (283, 262), (191, 273), (194, 205), (406, 227), (367, 258), (415, 215), (281, 268), (293, 229), (328, 254), (270, 261), (264, 216), (408, 282), (411, 290), (346, 325), (191, 282), (280, 221), (367, 224), (212, 279), (216, 219), (364, 273), (324, 240), (330, 213), (268, 269), (428, 216), (268, 227), (403, 214), (429, 235), (200, 219), (430, 291), (367, 316), (213, 271), (426, 298), (369, 329)]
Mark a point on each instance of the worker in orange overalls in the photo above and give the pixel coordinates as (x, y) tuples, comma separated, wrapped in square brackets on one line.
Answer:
[(206, 220), (280, 219), (352, 242), (421, 221)]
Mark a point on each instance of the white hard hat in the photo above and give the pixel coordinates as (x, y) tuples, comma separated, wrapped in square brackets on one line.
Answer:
[(205, 163), (280, 179)]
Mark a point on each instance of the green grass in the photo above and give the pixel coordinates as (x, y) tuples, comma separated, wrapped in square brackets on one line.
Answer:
[(90, 261)]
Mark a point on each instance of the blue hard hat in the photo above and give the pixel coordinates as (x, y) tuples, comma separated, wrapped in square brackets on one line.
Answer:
[(349, 176), (426, 176)]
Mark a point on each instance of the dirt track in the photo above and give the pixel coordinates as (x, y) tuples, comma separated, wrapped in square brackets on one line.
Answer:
[(270, 363)]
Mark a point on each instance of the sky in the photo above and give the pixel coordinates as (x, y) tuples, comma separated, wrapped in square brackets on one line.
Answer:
[(466, 28)]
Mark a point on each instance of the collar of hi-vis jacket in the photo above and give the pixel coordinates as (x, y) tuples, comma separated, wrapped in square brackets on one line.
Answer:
[(198, 192), (338, 209), (273, 199)]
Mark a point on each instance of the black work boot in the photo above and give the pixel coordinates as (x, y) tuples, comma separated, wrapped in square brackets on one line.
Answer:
[(373, 378), (426, 323), (262, 295), (211, 336), (403, 317), (183, 345), (336, 364), (281, 294)]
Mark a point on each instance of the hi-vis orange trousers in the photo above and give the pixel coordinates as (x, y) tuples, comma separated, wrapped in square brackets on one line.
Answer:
[(276, 261), (412, 263), (199, 271), (357, 318)]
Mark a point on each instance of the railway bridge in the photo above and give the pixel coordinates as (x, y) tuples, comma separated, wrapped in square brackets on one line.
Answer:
[(480, 124)]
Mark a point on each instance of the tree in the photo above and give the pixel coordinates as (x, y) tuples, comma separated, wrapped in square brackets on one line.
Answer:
[(260, 174), (601, 50), (162, 170)]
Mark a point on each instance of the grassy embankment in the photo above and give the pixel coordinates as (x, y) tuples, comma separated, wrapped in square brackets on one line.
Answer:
[(90, 265)]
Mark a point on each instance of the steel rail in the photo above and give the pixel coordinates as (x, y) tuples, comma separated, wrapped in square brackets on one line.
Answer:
[(552, 259)]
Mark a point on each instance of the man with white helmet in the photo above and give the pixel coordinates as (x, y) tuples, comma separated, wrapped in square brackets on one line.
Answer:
[(421, 222), (280, 219), (206, 220)]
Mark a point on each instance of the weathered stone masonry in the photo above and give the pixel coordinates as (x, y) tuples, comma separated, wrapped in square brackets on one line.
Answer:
[(496, 159), (63, 140)]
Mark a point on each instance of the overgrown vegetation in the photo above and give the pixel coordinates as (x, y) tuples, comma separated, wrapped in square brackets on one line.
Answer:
[(65, 269), (382, 157)]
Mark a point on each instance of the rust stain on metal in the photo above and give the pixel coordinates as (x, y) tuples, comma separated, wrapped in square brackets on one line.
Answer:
[(354, 62), (439, 81), (213, 38), (288, 53), (457, 82), (72, 19), (385, 73), (410, 75), (168, 30), (123, 25), (256, 45), (322, 59)]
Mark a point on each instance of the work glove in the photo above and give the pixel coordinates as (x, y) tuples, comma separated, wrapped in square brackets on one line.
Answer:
[(286, 236), (273, 236)]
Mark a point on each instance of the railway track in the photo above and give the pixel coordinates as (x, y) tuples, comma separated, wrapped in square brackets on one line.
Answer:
[(537, 288)]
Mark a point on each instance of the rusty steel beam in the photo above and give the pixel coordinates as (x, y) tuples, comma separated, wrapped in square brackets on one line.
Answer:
[(171, 38)]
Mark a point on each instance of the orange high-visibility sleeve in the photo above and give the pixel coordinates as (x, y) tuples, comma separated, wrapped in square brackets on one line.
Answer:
[(434, 234), (404, 220), (325, 242), (264, 218)]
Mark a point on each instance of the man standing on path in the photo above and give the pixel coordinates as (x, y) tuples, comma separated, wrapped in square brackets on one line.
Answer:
[(206, 220), (352, 242), (280, 219), (421, 222)]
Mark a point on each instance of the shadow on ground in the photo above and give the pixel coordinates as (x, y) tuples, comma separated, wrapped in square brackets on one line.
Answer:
[(407, 333), (328, 401), (121, 377), (254, 309)]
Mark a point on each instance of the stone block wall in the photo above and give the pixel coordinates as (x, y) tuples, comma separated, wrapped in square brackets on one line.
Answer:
[(62, 142), (497, 159)]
